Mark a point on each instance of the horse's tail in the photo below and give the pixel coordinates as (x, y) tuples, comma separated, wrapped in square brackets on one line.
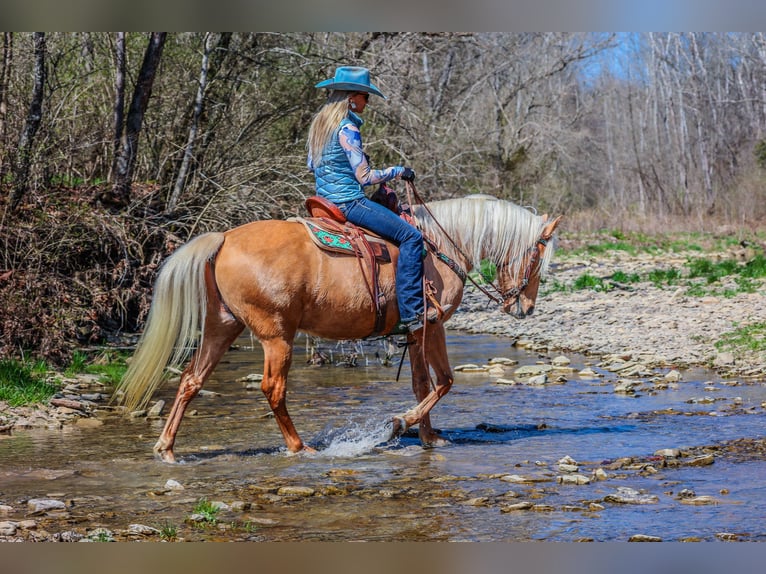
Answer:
[(175, 318)]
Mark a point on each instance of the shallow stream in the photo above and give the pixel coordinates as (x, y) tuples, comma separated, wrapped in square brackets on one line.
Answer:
[(498, 479)]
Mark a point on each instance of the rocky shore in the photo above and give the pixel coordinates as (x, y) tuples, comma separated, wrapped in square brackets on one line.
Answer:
[(638, 321)]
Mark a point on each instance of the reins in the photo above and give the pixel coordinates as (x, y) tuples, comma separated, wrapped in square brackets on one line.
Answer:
[(411, 189)]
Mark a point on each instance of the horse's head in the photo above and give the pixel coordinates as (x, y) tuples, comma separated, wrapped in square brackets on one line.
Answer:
[(519, 283)]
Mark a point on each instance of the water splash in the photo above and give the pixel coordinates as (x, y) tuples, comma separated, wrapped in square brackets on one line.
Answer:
[(354, 439)]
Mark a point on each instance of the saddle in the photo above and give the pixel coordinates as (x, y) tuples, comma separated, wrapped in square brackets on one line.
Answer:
[(329, 230)]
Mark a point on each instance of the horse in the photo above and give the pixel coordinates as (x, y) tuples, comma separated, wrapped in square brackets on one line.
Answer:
[(269, 276)]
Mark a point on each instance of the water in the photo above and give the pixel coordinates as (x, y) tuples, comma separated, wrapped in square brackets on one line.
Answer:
[(367, 488)]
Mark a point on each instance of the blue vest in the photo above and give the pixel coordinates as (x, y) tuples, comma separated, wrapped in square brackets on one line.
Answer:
[(335, 179)]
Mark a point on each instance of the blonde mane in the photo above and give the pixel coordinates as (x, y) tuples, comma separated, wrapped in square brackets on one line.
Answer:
[(484, 227)]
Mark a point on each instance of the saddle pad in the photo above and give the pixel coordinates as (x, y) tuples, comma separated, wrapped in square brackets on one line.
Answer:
[(338, 242)]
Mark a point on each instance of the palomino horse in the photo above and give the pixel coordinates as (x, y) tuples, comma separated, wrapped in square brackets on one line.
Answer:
[(270, 277)]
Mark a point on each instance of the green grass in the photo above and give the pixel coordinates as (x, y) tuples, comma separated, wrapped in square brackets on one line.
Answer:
[(110, 367), (168, 532), (750, 337), (207, 510), (23, 384), (622, 277)]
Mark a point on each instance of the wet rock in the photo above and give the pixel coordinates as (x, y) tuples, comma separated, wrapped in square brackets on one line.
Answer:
[(668, 452), (8, 528), (90, 423), (588, 373), (501, 381), (625, 387), (172, 484), (471, 368), (579, 479), (673, 376), (600, 474), (644, 538), (156, 409), (704, 460), (532, 370), (700, 500), (561, 361), (568, 467), (518, 479), (477, 501), (503, 361), (727, 536), (296, 491), (5, 510), (44, 505), (524, 505), (627, 495), (537, 380)]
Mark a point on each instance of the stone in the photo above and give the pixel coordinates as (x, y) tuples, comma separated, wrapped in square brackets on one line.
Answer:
[(704, 460), (156, 409), (700, 500), (8, 528), (532, 370), (171, 484), (627, 495), (5, 510), (560, 361), (44, 505), (296, 491), (579, 479), (88, 423), (673, 376), (644, 538), (668, 452), (143, 530), (524, 505)]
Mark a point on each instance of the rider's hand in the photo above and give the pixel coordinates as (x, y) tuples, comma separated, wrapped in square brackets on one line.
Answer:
[(408, 174)]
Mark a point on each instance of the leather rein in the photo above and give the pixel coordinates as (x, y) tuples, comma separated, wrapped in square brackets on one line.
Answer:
[(504, 295)]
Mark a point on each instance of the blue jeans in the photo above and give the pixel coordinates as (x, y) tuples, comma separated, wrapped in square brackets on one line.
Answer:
[(409, 268)]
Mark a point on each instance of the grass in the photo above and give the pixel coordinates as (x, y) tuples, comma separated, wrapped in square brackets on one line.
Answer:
[(111, 367), (749, 337), (168, 532), (23, 383), (207, 510)]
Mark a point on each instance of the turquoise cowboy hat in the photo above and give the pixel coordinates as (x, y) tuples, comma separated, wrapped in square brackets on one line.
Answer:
[(352, 79)]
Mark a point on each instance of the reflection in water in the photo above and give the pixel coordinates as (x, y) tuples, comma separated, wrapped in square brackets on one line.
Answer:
[(506, 442)]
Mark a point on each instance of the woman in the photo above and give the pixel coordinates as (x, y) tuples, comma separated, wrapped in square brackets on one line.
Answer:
[(341, 170)]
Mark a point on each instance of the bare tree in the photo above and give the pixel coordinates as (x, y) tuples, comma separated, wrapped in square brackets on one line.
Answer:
[(199, 101), (125, 162), (5, 80), (34, 117)]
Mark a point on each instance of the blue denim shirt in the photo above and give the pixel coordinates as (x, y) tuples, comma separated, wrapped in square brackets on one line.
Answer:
[(343, 170)]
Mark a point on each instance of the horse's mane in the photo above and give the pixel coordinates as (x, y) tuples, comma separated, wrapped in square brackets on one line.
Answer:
[(485, 228)]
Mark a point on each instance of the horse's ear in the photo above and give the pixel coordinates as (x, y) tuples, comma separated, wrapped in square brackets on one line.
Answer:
[(551, 227)]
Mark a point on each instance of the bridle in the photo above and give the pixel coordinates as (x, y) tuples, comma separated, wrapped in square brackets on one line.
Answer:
[(516, 291)]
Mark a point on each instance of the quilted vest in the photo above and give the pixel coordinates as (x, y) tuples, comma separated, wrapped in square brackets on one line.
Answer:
[(335, 179)]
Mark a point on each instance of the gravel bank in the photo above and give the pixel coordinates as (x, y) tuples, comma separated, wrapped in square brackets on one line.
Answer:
[(659, 326)]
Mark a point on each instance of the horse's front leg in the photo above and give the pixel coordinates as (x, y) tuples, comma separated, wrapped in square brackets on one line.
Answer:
[(436, 356), (277, 359)]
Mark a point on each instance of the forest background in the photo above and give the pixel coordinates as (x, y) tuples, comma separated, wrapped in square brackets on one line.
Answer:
[(115, 148)]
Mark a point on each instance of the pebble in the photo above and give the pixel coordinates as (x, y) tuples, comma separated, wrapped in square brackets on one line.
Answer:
[(668, 452), (8, 528), (700, 500), (142, 530), (579, 479), (704, 460), (524, 505)]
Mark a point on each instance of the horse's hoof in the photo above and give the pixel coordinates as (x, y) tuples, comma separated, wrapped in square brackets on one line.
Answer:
[(165, 456), (435, 442), (399, 426)]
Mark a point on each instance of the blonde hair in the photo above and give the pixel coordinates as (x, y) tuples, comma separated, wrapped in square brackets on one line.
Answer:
[(325, 123)]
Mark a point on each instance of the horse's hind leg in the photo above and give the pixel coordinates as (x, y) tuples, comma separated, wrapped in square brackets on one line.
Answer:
[(436, 352), (221, 329)]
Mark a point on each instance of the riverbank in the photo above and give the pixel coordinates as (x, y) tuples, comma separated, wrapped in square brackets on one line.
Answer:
[(659, 326)]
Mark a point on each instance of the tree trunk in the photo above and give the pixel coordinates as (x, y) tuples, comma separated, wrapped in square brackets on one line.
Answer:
[(34, 116), (5, 82), (119, 94), (199, 101), (125, 161)]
